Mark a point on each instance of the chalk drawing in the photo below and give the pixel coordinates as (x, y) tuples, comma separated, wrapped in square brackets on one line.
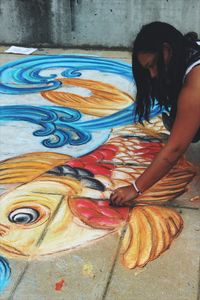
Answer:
[(5, 273), (81, 109), (79, 188), (23, 76)]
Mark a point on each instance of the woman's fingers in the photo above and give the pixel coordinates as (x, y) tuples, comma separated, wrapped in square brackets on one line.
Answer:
[(123, 196), (116, 198)]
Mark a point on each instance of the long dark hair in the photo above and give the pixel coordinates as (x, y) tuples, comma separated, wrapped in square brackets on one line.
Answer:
[(166, 87)]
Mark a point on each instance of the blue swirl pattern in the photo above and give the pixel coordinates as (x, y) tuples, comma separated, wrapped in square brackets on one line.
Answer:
[(5, 273), (59, 122), (23, 76), (64, 125)]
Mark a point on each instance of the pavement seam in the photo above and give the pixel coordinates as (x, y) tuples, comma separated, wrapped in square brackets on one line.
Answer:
[(41, 238), (183, 207), (18, 281), (114, 263)]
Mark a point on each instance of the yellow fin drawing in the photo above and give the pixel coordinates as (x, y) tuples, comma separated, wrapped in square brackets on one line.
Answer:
[(104, 100), (27, 167), (151, 230)]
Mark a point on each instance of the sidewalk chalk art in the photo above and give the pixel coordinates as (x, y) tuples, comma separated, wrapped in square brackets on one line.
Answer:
[(70, 139)]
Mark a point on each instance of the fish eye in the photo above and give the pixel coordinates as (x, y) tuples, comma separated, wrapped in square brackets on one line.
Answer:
[(24, 215)]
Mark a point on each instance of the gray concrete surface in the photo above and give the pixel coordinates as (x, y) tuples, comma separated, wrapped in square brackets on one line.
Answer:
[(95, 272), (90, 23)]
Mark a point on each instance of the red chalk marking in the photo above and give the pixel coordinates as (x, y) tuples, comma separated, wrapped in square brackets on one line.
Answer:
[(98, 214), (59, 285)]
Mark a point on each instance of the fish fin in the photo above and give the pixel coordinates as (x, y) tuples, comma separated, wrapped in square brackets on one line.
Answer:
[(24, 168), (99, 103), (151, 231), (172, 185)]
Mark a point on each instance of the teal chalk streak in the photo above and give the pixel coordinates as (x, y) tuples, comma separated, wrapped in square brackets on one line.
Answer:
[(5, 273)]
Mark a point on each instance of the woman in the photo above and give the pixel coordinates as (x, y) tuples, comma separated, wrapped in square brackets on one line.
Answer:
[(166, 67)]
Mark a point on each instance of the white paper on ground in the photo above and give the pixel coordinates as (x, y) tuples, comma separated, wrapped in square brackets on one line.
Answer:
[(20, 50)]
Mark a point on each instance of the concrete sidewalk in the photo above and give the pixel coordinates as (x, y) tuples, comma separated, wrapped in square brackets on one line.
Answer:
[(94, 271)]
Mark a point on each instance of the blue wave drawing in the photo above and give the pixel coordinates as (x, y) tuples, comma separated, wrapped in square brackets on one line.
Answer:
[(5, 273), (65, 125), (56, 122), (123, 117), (23, 76), (62, 125)]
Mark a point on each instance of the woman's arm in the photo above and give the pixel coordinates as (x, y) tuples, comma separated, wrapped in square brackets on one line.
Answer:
[(186, 124)]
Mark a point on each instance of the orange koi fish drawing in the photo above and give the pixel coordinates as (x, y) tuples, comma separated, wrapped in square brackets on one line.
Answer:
[(53, 206)]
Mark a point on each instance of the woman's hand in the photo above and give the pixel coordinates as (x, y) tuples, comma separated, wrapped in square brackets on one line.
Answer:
[(123, 196)]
